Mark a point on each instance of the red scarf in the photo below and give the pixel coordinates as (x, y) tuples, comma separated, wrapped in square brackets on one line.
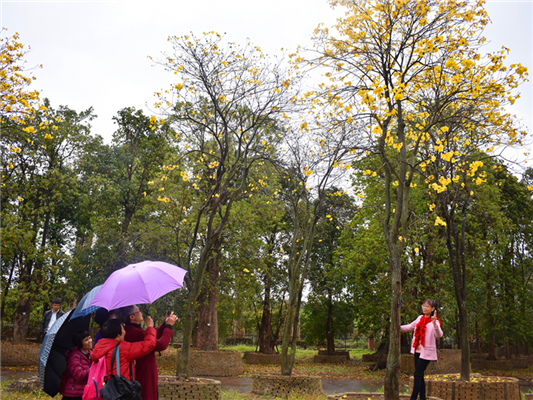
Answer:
[(420, 331)]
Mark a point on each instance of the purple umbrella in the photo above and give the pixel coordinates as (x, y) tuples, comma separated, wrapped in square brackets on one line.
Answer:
[(138, 284)]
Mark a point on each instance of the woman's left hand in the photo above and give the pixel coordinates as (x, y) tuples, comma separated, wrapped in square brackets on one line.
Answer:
[(434, 317)]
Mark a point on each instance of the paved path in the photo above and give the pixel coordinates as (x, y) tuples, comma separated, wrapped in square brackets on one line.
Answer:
[(244, 385), (241, 385)]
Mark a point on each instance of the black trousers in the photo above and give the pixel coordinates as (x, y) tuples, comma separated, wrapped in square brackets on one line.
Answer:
[(419, 385)]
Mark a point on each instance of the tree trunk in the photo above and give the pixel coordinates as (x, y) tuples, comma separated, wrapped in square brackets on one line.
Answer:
[(392, 381), (492, 338), (458, 266), (22, 320), (6, 288), (492, 348), (465, 344), (371, 343), (205, 334), (506, 346), (290, 331), (266, 337), (330, 332), (183, 359), (478, 340)]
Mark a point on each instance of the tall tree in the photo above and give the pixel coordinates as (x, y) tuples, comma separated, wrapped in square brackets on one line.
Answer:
[(406, 68), (224, 109), (40, 158)]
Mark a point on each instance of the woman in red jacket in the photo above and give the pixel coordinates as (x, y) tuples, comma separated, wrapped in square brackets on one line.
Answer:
[(427, 329), (146, 367), (112, 334), (75, 376)]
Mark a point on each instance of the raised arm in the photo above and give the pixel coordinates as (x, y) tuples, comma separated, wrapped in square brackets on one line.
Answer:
[(436, 325), (410, 327), (140, 349)]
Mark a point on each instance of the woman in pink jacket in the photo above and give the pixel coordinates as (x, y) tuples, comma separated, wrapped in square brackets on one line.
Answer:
[(78, 358), (427, 329)]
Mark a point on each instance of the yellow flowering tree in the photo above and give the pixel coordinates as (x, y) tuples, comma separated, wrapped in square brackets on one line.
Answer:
[(406, 71), (16, 102), (40, 189), (224, 106), (317, 153)]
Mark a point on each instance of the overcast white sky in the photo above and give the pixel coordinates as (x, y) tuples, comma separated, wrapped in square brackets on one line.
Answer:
[(94, 53)]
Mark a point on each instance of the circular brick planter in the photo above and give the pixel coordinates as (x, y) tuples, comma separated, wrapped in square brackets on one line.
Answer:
[(259, 358), (369, 396), (214, 363), (334, 359), (335, 353), (170, 388), (282, 386), (15, 355), (449, 387)]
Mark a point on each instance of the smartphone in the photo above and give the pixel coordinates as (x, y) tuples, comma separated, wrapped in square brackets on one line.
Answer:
[(168, 310), (433, 313)]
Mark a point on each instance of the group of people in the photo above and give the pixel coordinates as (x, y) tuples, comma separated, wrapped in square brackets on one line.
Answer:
[(122, 327), (136, 344)]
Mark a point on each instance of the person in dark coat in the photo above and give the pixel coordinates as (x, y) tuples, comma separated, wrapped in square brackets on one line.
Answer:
[(51, 316), (100, 317), (146, 367), (112, 334), (78, 364)]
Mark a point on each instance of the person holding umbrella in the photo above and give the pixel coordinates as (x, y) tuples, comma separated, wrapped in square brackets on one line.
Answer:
[(146, 367), (113, 333), (75, 376)]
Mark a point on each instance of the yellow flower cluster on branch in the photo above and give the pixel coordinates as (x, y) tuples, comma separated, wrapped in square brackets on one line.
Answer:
[(16, 102)]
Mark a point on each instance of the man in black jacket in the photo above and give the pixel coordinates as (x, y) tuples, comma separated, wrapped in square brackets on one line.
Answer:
[(51, 316)]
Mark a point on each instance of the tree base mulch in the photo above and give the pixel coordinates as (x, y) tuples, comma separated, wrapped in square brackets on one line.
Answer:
[(172, 388), (451, 387), (283, 386)]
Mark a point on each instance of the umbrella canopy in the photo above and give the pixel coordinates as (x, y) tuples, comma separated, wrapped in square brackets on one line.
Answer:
[(84, 307), (138, 284), (56, 342)]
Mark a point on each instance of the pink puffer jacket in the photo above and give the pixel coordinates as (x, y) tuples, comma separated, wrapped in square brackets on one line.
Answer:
[(78, 365), (429, 351)]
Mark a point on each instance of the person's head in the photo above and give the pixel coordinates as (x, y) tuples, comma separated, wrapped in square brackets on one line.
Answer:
[(102, 315), (130, 315), (113, 329), (82, 340), (56, 304), (428, 306)]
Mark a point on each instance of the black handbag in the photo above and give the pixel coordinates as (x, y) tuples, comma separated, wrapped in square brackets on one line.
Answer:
[(118, 387)]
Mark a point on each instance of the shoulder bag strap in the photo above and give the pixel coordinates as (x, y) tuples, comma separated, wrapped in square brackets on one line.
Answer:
[(131, 371), (117, 353)]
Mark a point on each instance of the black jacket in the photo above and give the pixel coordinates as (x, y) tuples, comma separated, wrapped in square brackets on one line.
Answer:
[(46, 319)]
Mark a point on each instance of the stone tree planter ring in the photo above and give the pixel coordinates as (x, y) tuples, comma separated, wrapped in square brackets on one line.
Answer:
[(450, 387), (171, 388), (282, 386)]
